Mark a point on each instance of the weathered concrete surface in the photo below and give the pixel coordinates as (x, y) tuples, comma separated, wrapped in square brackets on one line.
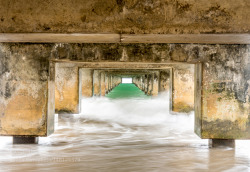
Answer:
[(221, 143), (106, 83), (223, 93), (125, 16), (86, 80), (155, 84), (97, 83), (67, 88), (26, 90), (164, 80), (103, 87), (183, 88), (157, 53), (25, 140)]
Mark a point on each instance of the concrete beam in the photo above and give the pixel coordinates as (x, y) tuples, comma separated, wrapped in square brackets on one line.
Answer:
[(125, 38), (59, 38)]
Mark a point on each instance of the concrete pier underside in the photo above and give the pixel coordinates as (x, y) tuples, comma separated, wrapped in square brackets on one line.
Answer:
[(198, 51), (221, 82)]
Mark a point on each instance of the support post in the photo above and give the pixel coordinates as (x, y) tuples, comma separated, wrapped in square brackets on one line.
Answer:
[(164, 80), (103, 84), (221, 143), (67, 88), (97, 83), (106, 83), (27, 90), (183, 88), (86, 82), (222, 98), (25, 140)]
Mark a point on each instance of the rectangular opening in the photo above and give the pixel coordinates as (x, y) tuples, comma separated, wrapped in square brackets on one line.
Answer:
[(127, 80)]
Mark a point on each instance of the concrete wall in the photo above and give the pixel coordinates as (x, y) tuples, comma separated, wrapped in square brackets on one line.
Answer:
[(67, 88), (125, 16)]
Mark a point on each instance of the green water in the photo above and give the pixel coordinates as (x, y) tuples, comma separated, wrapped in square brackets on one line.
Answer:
[(126, 91)]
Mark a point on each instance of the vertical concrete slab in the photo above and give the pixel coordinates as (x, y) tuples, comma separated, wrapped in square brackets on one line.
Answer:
[(26, 90), (86, 82), (67, 88), (183, 88), (224, 108), (103, 87), (97, 83)]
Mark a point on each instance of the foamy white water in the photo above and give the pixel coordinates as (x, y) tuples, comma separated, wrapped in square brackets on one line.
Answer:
[(123, 135)]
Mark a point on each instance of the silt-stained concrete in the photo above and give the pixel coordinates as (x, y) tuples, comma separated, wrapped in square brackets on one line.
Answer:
[(183, 88), (125, 16), (26, 90), (67, 88), (86, 80)]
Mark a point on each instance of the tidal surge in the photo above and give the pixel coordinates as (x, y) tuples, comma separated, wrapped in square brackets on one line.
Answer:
[(123, 135)]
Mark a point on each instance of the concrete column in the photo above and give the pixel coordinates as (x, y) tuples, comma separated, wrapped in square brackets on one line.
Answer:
[(164, 80), (222, 89), (221, 143), (27, 91), (150, 84), (86, 82), (143, 83), (146, 84), (67, 88), (155, 86), (25, 140), (106, 83), (182, 88), (103, 87), (97, 83)]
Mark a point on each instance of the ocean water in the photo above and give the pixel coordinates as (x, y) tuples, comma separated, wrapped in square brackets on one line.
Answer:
[(122, 132)]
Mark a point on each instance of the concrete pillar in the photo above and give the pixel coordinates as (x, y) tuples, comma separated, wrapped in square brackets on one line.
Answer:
[(27, 91), (86, 82), (106, 83), (222, 101), (146, 84), (103, 87), (221, 143), (97, 83), (182, 95), (143, 83), (155, 86), (67, 88), (25, 140), (150, 84), (164, 80)]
